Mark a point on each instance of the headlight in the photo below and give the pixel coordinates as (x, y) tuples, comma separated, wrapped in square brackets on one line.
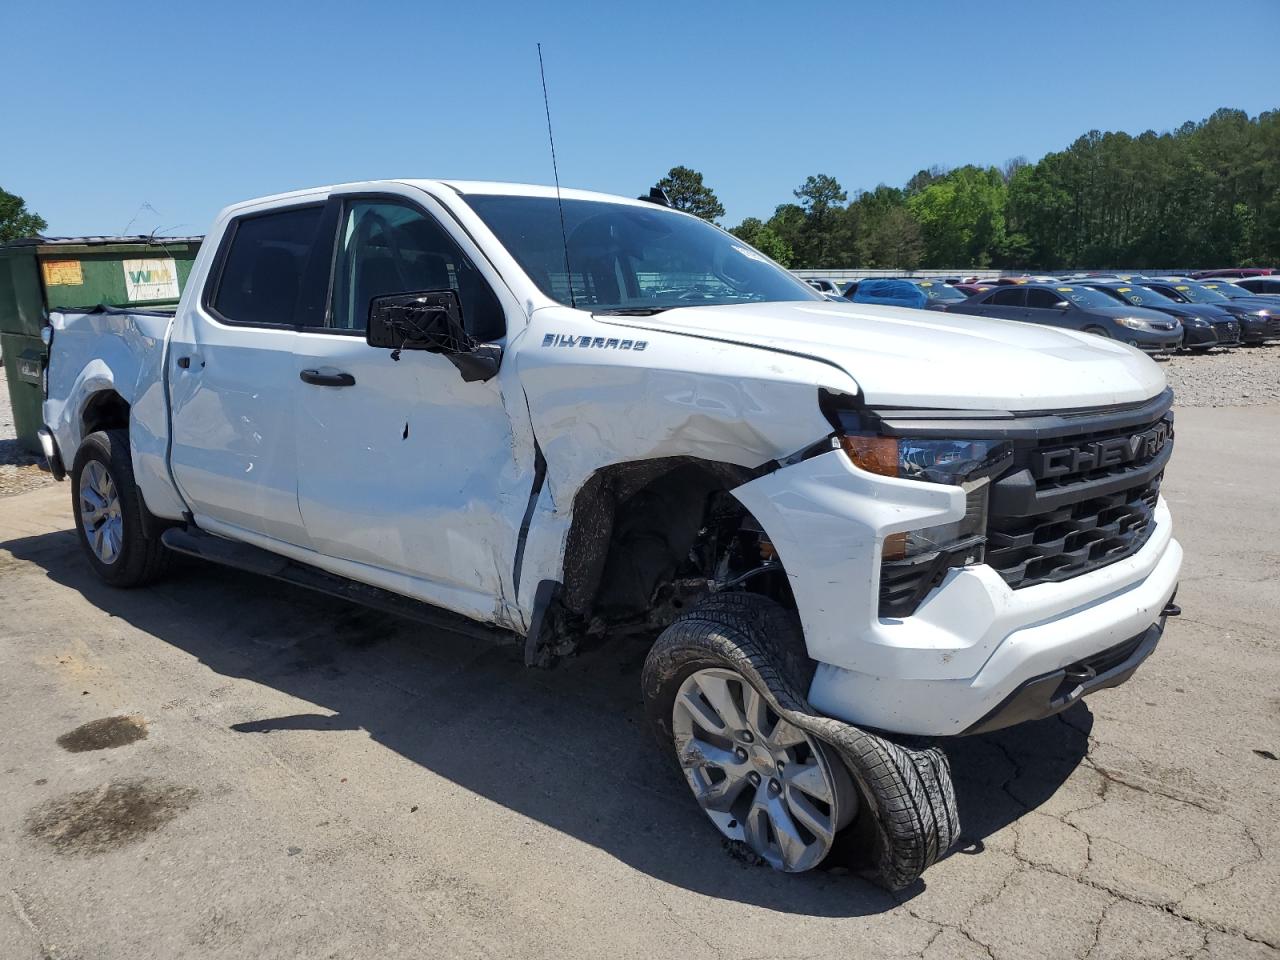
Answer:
[(1133, 323), (937, 461), (914, 561)]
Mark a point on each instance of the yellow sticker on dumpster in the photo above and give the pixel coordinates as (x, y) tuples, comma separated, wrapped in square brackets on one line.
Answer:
[(62, 273)]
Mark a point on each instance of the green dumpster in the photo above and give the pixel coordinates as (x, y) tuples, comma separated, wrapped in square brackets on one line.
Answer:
[(24, 369), (43, 274)]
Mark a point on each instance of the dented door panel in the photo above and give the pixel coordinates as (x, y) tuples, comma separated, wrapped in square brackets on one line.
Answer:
[(412, 470)]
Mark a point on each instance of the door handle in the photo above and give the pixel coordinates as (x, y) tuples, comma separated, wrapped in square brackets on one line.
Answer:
[(327, 379)]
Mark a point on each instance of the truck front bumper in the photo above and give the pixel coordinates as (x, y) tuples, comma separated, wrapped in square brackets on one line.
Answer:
[(974, 642), (1060, 689)]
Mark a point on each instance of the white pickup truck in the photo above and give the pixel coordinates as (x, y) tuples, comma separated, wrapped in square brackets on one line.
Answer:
[(855, 530)]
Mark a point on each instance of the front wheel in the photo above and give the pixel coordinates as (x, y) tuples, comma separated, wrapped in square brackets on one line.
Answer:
[(108, 511), (722, 690), (761, 780)]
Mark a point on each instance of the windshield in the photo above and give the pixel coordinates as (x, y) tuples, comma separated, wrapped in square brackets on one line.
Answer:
[(1085, 296), (1228, 290), (632, 259), (1197, 293), (1144, 296), (937, 291)]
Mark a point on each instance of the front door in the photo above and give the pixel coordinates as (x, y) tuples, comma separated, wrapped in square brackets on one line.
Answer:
[(1051, 308), (402, 466)]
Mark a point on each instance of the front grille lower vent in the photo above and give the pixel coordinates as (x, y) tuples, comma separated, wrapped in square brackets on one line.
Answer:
[(1072, 539)]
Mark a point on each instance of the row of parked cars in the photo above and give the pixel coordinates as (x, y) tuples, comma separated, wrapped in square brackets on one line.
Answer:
[(1157, 314)]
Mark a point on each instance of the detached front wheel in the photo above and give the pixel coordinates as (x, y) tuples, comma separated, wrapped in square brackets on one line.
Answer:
[(761, 780), (723, 687)]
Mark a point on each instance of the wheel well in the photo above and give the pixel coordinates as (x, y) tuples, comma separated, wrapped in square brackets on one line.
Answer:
[(104, 410), (655, 532)]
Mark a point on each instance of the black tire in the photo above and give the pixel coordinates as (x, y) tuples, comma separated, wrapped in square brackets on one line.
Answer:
[(141, 559), (907, 818)]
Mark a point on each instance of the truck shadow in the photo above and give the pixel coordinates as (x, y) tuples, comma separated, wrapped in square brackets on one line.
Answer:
[(569, 747)]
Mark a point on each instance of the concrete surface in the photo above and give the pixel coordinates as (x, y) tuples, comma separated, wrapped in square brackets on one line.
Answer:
[(293, 777)]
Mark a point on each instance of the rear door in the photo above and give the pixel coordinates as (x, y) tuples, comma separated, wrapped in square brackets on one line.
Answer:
[(1005, 303), (232, 371), (404, 468)]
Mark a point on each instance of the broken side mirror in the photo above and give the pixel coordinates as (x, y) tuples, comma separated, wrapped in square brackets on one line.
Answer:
[(430, 320)]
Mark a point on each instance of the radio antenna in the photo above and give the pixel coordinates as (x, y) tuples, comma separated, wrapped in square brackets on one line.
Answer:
[(564, 236)]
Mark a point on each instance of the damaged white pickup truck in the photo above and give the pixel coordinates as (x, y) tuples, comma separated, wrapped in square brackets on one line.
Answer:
[(858, 529)]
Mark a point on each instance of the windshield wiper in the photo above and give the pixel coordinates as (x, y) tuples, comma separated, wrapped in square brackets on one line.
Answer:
[(630, 311)]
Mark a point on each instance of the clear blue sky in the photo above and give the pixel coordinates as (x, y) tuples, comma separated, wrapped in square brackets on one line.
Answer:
[(190, 106)]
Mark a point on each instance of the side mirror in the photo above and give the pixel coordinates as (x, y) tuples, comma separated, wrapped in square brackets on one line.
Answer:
[(1062, 305), (432, 321)]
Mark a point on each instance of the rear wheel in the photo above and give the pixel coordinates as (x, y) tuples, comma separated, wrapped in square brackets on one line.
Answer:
[(108, 512)]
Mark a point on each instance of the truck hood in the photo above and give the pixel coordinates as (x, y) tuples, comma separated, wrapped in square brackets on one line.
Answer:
[(928, 358)]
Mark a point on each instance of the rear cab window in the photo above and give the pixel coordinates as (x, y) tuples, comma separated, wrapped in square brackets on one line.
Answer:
[(263, 263)]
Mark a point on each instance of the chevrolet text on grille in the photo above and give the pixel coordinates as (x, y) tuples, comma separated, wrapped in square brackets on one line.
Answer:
[(1098, 454)]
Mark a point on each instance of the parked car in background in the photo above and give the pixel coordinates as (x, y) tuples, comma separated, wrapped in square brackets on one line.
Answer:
[(1240, 297), (969, 289), (822, 285), (922, 294), (1234, 272), (1263, 286), (1204, 326), (1259, 319), (1077, 307)]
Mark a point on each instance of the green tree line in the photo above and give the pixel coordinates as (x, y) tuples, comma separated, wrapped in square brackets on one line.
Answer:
[(1205, 194)]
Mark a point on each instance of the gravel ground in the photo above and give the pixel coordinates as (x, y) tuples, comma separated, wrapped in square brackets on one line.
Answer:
[(1243, 377), (20, 471)]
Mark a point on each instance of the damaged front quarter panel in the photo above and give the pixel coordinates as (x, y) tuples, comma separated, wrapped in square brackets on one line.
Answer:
[(678, 396), (681, 396)]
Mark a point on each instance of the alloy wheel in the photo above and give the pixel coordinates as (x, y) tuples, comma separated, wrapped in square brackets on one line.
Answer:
[(100, 512), (762, 780)]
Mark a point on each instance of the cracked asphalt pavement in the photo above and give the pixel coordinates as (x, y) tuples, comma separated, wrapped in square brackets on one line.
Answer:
[(220, 766)]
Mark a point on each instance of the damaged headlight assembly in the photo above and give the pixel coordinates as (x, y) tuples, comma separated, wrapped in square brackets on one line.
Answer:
[(915, 561)]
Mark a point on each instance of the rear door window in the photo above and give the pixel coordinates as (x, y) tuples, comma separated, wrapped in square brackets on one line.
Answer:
[(263, 267), (1007, 297)]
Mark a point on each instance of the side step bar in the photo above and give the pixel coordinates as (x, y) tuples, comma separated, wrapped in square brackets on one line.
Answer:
[(242, 556)]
